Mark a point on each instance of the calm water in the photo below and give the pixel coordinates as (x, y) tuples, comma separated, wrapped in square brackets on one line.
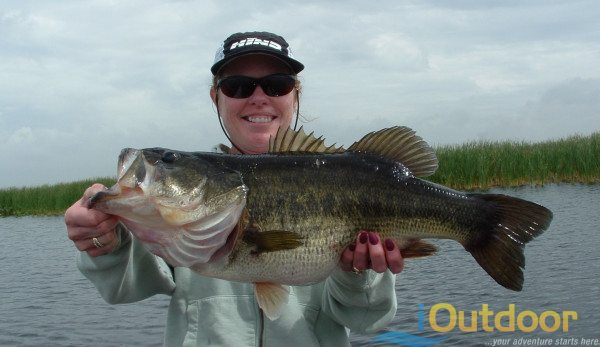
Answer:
[(46, 301)]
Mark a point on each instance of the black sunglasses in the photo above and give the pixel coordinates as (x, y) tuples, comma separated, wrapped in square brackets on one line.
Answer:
[(241, 87)]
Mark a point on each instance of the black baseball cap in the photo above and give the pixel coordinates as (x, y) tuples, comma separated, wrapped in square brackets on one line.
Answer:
[(254, 42)]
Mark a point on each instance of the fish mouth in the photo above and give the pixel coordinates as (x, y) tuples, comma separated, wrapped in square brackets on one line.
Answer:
[(127, 158), (108, 194), (131, 172), (115, 192)]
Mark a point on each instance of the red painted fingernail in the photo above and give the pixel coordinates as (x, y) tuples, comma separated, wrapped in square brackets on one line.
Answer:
[(352, 247), (363, 237), (373, 239), (389, 245)]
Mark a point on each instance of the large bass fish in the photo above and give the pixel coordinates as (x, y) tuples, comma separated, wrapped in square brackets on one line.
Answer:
[(285, 217)]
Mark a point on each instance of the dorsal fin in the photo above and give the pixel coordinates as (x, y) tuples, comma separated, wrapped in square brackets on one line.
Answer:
[(397, 144), (289, 140), (402, 145)]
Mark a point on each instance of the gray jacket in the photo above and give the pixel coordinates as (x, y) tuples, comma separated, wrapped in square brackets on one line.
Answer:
[(206, 311)]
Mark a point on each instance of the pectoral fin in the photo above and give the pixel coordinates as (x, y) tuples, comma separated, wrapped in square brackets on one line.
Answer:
[(272, 240), (271, 297)]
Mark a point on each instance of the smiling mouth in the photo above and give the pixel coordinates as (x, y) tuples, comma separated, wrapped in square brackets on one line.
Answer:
[(259, 119)]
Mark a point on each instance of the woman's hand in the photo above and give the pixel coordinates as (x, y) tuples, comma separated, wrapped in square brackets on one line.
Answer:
[(370, 252), (90, 230)]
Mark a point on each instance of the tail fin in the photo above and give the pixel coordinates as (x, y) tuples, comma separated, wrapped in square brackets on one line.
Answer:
[(499, 250)]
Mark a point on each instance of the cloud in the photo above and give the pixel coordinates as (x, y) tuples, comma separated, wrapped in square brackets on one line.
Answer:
[(387, 48), (21, 136), (569, 107), (81, 80)]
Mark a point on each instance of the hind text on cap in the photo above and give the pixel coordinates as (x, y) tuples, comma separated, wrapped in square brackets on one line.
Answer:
[(255, 41)]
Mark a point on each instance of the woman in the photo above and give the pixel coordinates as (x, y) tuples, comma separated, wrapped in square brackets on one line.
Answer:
[(256, 92)]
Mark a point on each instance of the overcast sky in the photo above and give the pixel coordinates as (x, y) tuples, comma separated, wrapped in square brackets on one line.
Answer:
[(79, 80)]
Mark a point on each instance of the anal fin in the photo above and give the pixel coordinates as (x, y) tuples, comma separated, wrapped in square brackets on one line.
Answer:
[(271, 297), (418, 248)]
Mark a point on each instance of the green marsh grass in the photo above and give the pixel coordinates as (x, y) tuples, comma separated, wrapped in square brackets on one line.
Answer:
[(475, 165), (482, 165), (46, 199)]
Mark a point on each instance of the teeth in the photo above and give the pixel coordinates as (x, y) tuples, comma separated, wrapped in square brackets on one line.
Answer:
[(260, 119)]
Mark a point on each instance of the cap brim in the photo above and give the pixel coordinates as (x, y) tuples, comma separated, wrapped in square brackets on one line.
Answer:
[(295, 65)]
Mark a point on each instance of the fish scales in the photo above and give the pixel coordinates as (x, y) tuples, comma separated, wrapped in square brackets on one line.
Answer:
[(327, 199)]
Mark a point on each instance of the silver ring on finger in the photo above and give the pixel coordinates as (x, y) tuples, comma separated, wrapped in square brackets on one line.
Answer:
[(97, 242)]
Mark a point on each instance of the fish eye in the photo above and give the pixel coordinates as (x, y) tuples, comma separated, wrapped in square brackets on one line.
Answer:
[(169, 157)]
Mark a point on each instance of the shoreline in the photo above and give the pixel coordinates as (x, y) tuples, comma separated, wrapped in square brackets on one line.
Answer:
[(468, 167)]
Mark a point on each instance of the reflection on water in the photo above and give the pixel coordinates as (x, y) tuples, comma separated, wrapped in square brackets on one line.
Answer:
[(45, 300)]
